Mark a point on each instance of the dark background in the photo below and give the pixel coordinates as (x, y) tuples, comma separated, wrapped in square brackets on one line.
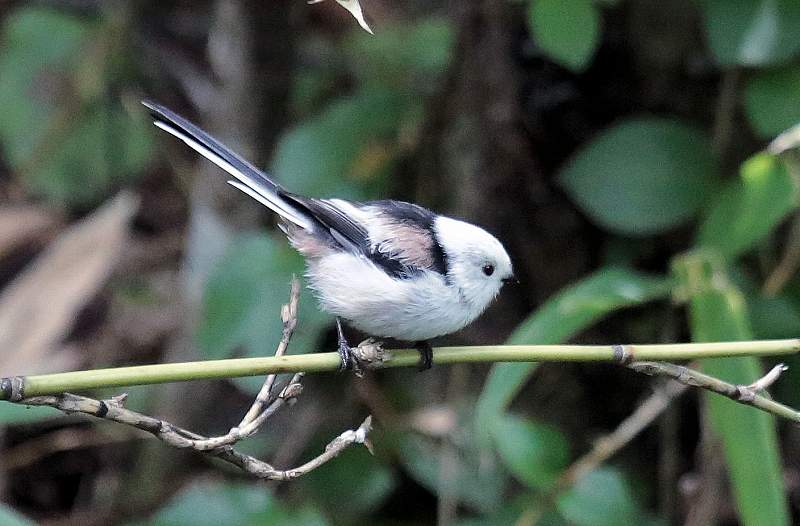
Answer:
[(617, 148)]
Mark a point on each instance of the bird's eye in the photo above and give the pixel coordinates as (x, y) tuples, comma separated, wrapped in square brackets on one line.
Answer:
[(488, 269)]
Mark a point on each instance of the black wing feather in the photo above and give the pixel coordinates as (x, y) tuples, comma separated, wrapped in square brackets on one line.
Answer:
[(333, 222), (161, 113), (354, 236), (343, 228)]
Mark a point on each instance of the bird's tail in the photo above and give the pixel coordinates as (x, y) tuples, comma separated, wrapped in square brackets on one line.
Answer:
[(249, 179)]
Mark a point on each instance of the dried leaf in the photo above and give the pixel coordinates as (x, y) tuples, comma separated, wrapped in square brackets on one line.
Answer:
[(24, 226), (354, 7), (38, 309)]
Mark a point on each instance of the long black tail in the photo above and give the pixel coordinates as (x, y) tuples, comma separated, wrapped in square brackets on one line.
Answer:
[(250, 179)]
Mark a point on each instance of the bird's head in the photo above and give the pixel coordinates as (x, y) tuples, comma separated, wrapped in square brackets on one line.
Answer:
[(477, 263)]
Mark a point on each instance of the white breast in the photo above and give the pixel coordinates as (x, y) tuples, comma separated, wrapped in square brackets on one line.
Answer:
[(417, 308)]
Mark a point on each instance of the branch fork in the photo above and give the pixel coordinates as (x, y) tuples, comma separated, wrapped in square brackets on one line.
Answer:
[(50, 390), (750, 394), (264, 405)]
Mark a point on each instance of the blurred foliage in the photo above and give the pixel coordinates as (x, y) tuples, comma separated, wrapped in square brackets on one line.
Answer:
[(752, 32), (535, 453), (476, 484), (646, 177), (663, 185), (19, 414), (750, 207), (212, 503), (560, 318), (772, 100), (343, 151), (568, 31), (352, 488), (243, 299), (718, 311), (603, 498), (348, 148), (65, 128)]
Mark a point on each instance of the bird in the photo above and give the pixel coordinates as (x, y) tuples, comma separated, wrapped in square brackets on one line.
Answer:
[(391, 269)]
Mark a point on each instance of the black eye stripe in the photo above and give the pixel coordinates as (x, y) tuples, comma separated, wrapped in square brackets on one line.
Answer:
[(488, 269)]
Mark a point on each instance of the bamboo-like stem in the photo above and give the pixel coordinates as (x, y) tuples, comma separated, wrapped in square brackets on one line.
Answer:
[(17, 387)]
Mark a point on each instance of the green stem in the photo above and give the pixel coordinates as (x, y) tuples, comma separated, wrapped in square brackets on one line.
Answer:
[(12, 388)]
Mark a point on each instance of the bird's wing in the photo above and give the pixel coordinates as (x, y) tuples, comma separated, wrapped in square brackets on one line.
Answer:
[(397, 237), (340, 218), (405, 232)]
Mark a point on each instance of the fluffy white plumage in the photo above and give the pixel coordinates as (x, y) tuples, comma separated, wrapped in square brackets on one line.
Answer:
[(389, 268), (425, 306)]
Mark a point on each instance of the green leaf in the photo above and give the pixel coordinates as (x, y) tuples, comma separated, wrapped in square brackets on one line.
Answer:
[(352, 486), (778, 317), (535, 453), (718, 312), (515, 511), (475, 481), (70, 149), (774, 317), (348, 149), (601, 498), (561, 317), (749, 208), (36, 42), (642, 176), (243, 298), (752, 32), (213, 503), (772, 100), (9, 517), (405, 58), (568, 31), (105, 146), (323, 155)]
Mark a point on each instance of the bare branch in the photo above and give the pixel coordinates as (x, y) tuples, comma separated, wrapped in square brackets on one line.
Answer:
[(604, 448), (289, 319), (764, 383), (744, 394), (178, 437), (649, 411), (264, 406)]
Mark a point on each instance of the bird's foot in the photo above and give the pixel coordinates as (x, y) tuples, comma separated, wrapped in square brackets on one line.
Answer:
[(349, 361), (425, 355), (370, 353)]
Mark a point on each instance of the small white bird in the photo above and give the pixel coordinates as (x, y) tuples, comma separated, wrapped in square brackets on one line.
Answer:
[(389, 268)]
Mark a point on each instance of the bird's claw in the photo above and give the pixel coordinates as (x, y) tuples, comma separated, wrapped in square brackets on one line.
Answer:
[(349, 361), (425, 355)]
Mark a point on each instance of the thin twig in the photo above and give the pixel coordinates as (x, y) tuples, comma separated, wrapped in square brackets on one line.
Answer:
[(789, 263), (744, 394), (289, 319), (178, 437), (648, 412), (605, 448), (264, 406)]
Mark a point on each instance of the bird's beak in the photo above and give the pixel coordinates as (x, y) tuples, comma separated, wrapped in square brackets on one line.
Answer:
[(511, 279)]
